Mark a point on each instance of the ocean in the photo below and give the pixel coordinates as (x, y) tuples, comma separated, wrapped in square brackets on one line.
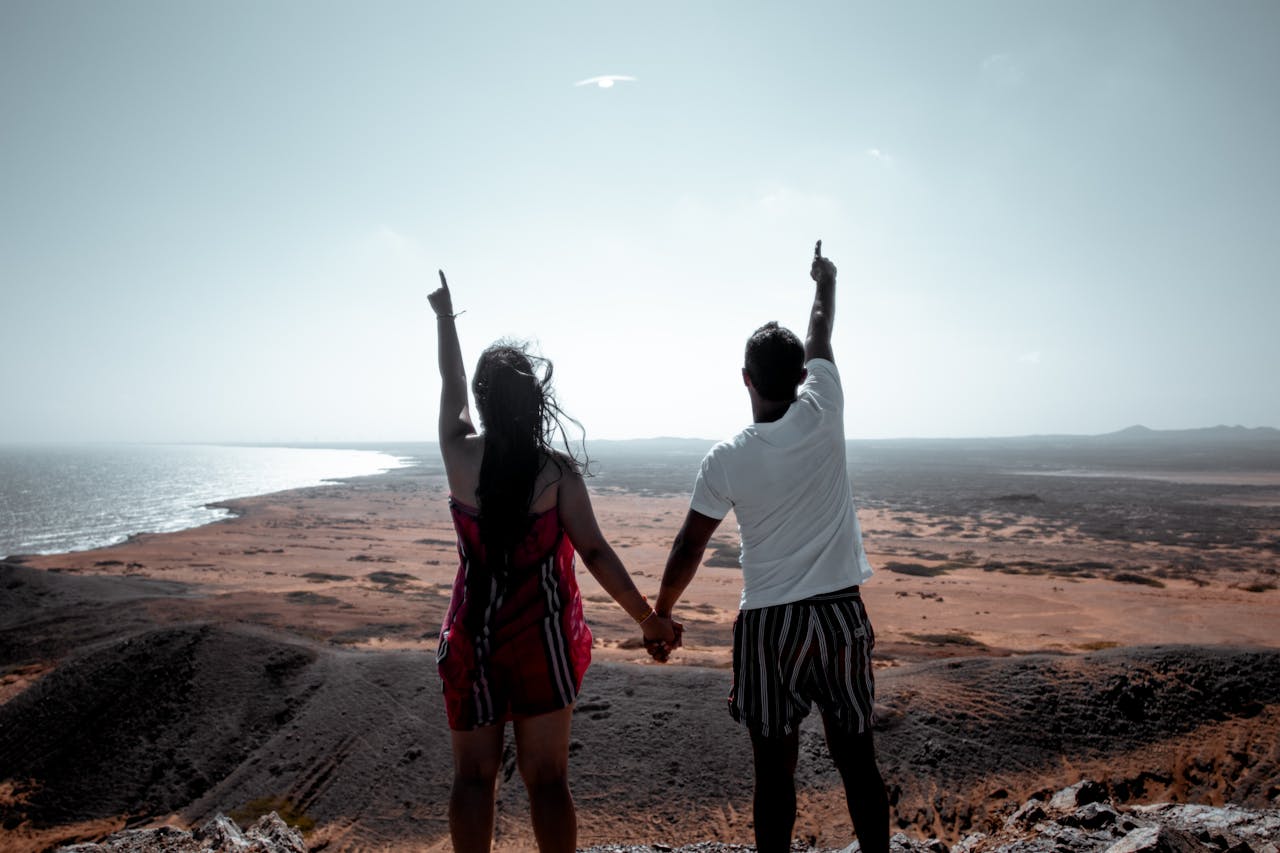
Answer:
[(57, 498)]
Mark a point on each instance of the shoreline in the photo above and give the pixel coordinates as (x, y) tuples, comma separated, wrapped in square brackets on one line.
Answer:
[(222, 504), (369, 562)]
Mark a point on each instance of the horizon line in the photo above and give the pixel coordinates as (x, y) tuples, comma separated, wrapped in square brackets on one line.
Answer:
[(1136, 429)]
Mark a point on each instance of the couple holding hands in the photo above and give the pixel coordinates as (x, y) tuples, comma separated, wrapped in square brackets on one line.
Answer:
[(514, 644)]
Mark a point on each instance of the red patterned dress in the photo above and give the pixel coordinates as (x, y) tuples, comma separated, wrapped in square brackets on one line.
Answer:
[(532, 646)]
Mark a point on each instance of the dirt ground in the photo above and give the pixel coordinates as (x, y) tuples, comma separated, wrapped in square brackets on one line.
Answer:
[(1031, 629)]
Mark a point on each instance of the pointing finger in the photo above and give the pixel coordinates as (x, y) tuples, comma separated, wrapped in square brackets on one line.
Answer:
[(817, 253), (445, 284)]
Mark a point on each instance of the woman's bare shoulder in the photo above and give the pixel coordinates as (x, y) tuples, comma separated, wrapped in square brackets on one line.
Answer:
[(562, 463), (557, 470)]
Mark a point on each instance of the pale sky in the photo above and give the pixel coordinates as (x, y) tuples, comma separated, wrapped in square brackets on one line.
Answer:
[(220, 221)]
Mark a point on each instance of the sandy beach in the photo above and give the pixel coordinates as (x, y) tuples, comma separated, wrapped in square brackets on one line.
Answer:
[(283, 659)]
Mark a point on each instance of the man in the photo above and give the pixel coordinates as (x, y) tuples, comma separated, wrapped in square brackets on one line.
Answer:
[(802, 634)]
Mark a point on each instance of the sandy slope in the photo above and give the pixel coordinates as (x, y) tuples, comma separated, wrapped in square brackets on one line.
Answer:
[(198, 718)]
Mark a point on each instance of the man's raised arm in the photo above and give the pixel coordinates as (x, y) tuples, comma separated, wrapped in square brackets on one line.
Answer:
[(822, 316)]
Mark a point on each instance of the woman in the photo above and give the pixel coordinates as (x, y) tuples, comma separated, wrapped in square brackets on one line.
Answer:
[(514, 644)]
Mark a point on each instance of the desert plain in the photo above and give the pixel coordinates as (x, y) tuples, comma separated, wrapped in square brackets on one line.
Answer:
[(1045, 610)]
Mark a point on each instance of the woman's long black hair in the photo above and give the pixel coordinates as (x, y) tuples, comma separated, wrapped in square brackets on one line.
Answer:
[(522, 423)]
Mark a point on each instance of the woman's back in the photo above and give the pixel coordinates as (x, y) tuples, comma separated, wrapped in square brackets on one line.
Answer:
[(462, 466)]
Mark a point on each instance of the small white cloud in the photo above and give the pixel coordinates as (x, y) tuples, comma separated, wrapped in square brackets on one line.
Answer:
[(606, 81), (877, 154), (1032, 357)]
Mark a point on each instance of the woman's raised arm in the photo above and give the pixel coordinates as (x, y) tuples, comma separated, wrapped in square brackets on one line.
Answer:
[(455, 411)]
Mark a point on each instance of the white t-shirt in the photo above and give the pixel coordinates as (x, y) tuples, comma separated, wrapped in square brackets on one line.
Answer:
[(788, 483)]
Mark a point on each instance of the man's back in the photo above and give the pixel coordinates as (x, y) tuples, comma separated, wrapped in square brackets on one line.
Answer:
[(788, 485)]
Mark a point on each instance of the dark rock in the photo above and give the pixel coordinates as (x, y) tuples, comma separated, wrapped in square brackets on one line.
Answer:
[(1157, 839), (219, 835), (1092, 816), (969, 843), (901, 843), (275, 836), (1230, 823), (1028, 814), (1080, 794)]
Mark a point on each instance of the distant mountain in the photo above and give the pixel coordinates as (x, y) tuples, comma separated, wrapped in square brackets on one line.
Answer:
[(1214, 434), (1218, 448), (1137, 431), (667, 463)]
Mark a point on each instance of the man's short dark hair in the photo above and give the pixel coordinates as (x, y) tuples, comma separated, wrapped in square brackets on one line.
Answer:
[(775, 362)]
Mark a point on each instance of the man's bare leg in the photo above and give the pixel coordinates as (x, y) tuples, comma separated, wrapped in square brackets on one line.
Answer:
[(854, 755), (774, 807)]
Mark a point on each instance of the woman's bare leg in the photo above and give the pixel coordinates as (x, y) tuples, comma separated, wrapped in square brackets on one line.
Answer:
[(542, 754), (477, 756)]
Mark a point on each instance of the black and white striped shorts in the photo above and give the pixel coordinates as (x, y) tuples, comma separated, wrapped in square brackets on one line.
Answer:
[(789, 655)]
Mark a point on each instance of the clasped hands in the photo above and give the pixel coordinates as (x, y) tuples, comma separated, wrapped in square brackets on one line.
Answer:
[(662, 636)]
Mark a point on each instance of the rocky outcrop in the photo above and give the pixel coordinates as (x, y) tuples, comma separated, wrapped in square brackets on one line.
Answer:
[(1080, 819), (1077, 819), (220, 835)]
